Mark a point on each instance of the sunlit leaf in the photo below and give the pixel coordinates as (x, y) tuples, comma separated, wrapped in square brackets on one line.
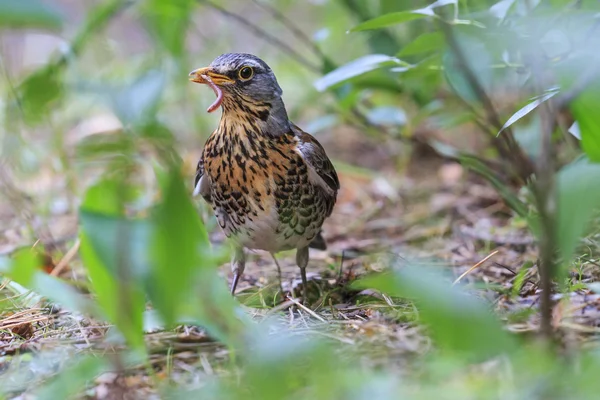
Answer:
[(427, 42), (355, 68), (578, 197), (529, 108), (585, 110), (459, 322), (28, 13)]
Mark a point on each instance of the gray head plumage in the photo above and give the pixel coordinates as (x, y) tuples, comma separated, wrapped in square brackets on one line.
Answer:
[(262, 86)]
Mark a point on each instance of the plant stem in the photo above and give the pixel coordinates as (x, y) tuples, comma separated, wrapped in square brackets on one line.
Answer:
[(507, 146)]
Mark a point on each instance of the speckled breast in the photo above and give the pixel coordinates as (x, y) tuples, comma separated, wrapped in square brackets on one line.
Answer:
[(262, 196)]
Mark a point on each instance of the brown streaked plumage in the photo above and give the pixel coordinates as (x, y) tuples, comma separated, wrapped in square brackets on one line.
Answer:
[(270, 184)]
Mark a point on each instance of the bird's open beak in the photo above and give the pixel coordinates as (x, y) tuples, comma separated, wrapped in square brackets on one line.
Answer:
[(197, 76)]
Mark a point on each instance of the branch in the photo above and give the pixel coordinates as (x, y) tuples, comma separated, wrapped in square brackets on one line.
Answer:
[(285, 21), (265, 35)]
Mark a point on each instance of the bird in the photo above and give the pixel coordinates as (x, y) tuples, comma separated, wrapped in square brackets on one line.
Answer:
[(270, 184)]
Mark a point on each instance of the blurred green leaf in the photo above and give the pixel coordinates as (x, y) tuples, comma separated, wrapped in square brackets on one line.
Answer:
[(427, 42), (355, 68), (528, 135), (39, 93), (387, 115), (25, 264), (479, 66), (536, 101), (178, 240), (114, 250), (459, 322), (392, 19), (168, 22), (24, 269), (119, 296), (501, 8), (137, 103), (73, 379), (578, 197), (585, 110), (107, 146), (28, 13)]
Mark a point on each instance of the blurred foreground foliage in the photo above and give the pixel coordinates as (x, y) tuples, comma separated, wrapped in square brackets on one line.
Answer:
[(141, 249)]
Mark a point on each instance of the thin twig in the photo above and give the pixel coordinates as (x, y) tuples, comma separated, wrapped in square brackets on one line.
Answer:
[(308, 310), (265, 35), (288, 23), (66, 259), (474, 266)]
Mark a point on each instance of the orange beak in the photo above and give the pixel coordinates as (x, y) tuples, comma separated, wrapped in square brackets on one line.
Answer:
[(198, 76)]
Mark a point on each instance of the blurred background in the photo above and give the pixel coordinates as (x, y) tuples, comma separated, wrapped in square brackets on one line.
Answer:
[(461, 258)]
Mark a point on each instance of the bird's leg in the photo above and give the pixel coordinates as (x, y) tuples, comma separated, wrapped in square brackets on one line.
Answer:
[(302, 262), (238, 263), (278, 273)]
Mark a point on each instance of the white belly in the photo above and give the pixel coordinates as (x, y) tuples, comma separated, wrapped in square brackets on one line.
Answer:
[(265, 232)]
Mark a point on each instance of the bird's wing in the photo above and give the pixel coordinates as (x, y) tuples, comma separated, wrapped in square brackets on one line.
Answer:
[(321, 171), (201, 184)]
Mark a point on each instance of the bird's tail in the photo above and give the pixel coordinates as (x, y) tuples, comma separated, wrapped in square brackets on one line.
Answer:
[(318, 242)]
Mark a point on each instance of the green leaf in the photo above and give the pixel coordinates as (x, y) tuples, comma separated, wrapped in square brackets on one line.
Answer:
[(459, 322), (168, 22), (24, 266), (585, 110), (392, 19), (500, 9), (536, 101), (72, 380), (114, 250), (28, 13), (39, 93), (119, 295), (388, 115), (479, 66), (578, 197), (356, 68), (178, 239), (427, 42), (137, 103), (24, 269)]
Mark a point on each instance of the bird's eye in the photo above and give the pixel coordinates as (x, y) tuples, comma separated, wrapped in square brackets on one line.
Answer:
[(246, 73)]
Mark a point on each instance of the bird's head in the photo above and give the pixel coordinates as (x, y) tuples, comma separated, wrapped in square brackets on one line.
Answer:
[(238, 78)]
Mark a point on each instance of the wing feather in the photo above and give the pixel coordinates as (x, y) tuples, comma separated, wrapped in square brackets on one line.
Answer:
[(201, 183), (321, 170)]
